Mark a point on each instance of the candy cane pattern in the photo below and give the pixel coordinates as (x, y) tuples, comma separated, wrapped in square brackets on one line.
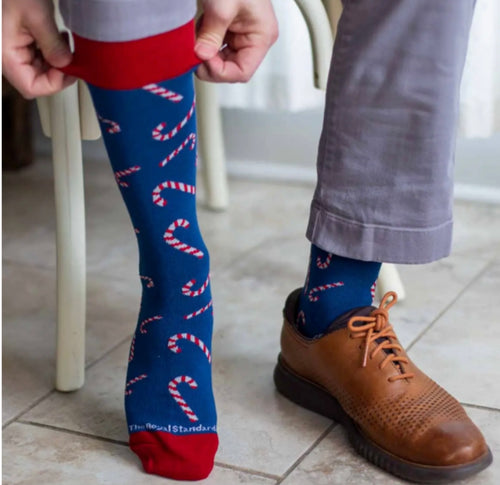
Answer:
[(372, 290), (132, 348), (198, 312), (150, 282), (157, 131), (148, 320), (169, 238), (136, 230), (170, 184), (114, 128), (123, 173), (190, 138), (172, 344), (187, 291), (313, 297), (172, 388), (323, 265), (163, 92), (133, 381)]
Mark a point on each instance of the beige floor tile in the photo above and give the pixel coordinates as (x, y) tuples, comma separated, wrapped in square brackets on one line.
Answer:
[(430, 289), (29, 325), (334, 461), (461, 350), (477, 230), (259, 428), (33, 455), (97, 408)]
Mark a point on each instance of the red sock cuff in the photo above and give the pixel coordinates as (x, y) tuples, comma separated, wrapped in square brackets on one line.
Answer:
[(133, 64)]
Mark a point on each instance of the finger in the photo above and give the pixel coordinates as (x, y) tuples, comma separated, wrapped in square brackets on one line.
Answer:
[(53, 44), (33, 82), (213, 26), (232, 66)]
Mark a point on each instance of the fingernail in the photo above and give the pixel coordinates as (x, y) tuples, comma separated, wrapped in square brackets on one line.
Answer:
[(205, 51)]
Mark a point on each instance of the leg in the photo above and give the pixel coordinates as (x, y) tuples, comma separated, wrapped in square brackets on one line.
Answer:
[(70, 215), (386, 151), (147, 114), (383, 194)]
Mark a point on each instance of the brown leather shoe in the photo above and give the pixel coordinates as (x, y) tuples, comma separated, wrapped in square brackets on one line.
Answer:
[(395, 416)]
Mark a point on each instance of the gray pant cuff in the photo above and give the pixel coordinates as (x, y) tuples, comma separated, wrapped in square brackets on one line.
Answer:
[(369, 242)]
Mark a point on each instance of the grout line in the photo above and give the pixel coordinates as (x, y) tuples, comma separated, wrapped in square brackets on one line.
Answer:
[(247, 470), (28, 409), (450, 304), (480, 406), (244, 254), (124, 340), (73, 432), (53, 390), (307, 452), (26, 264)]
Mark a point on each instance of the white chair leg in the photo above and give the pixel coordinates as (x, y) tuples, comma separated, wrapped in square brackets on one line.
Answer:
[(211, 146), (389, 280), (320, 33), (70, 219)]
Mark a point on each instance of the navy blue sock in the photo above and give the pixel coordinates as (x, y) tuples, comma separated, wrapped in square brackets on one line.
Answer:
[(334, 285), (150, 136)]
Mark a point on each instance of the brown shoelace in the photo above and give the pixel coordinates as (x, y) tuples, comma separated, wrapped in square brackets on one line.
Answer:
[(377, 328)]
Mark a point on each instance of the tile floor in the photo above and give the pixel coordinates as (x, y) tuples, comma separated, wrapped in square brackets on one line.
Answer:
[(258, 255)]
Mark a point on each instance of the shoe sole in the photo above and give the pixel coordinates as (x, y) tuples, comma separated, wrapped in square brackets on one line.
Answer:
[(310, 396)]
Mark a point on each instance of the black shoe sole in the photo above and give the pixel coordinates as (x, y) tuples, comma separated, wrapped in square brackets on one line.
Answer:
[(310, 396)]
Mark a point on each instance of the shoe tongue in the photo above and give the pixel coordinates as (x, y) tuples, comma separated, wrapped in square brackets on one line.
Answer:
[(341, 322)]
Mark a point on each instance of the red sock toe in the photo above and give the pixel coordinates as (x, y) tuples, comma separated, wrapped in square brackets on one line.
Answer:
[(181, 457)]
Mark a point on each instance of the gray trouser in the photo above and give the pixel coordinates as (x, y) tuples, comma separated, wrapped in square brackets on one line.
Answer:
[(385, 158), (385, 161)]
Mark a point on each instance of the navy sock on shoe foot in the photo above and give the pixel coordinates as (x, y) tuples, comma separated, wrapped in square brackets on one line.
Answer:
[(334, 285)]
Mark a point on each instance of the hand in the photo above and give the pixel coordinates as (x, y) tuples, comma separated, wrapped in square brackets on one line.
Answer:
[(247, 29), (33, 48)]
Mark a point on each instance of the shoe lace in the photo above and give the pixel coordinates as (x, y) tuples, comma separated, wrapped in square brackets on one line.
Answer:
[(376, 328)]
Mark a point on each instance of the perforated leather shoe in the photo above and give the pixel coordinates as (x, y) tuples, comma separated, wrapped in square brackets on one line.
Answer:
[(398, 418)]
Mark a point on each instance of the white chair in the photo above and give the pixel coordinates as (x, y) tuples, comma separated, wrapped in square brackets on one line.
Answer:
[(68, 118)]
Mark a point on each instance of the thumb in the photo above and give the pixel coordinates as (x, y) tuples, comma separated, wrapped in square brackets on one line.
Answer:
[(211, 33), (54, 47)]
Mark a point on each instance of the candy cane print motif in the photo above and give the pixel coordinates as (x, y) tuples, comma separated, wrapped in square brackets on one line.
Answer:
[(124, 173), (187, 291), (170, 184), (133, 381), (172, 343), (114, 128), (190, 138), (148, 320), (163, 92), (132, 349), (372, 290), (167, 136), (198, 312), (324, 264), (169, 238), (172, 388), (150, 282), (313, 297)]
